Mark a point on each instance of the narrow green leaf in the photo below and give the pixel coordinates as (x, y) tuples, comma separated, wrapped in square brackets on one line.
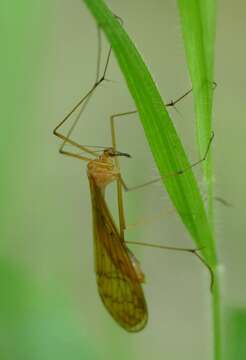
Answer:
[(198, 26), (159, 129), (235, 334)]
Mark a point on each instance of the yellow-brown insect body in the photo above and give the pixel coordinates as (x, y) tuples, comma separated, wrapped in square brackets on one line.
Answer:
[(103, 170), (119, 275)]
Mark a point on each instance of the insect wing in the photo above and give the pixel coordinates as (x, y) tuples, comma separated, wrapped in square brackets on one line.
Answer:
[(118, 283)]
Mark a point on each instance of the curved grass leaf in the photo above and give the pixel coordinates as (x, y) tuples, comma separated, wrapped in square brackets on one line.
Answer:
[(235, 333), (198, 26)]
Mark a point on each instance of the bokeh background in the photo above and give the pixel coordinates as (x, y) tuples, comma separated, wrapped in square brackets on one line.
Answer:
[(49, 306)]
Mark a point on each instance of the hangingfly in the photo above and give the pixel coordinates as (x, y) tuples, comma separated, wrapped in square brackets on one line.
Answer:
[(119, 275), (118, 272)]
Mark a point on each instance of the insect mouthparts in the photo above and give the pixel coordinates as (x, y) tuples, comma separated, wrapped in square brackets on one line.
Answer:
[(122, 154)]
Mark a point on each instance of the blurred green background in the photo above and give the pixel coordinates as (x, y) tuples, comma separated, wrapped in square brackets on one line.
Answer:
[(49, 306)]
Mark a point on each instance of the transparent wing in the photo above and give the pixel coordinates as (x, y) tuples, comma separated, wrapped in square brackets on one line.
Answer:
[(118, 282), (122, 296)]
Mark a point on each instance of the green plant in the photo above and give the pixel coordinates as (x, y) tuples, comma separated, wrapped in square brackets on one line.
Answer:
[(198, 28)]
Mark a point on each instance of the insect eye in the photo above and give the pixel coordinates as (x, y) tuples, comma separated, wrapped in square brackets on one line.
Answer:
[(111, 152)]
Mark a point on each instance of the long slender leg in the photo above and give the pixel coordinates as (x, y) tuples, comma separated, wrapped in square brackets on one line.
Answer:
[(169, 104), (82, 102), (114, 116), (121, 183), (174, 248), (174, 102), (176, 173), (122, 222), (66, 138)]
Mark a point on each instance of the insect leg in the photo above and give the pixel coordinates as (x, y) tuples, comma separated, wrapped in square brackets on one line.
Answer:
[(172, 103), (176, 173), (174, 248), (120, 181), (82, 102), (122, 222), (121, 184)]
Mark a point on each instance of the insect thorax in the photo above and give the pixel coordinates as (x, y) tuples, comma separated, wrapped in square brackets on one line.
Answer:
[(102, 170)]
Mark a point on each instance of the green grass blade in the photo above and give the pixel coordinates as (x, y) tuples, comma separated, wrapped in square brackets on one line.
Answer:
[(198, 19), (159, 129), (198, 26), (235, 334)]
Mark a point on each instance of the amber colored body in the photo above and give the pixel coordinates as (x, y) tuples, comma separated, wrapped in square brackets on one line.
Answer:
[(119, 275)]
